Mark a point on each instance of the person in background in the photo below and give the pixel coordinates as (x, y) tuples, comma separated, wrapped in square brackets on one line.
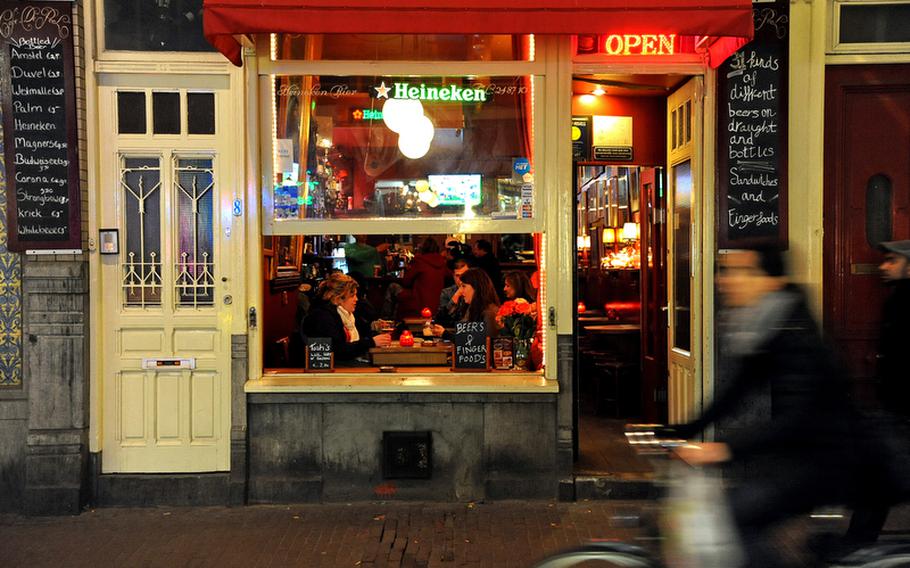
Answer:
[(486, 261), (894, 338), (455, 251), (481, 299), (518, 285), (452, 306), (332, 315), (423, 281), (361, 257), (782, 410), (890, 418)]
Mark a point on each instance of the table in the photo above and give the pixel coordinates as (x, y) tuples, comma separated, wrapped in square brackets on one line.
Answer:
[(418, 355), (594, 320), (613, 329)]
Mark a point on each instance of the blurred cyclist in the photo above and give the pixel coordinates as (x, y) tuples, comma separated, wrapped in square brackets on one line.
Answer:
[(782, 412)]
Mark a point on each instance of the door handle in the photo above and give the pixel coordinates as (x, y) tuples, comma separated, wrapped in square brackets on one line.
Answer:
[(665, 308)]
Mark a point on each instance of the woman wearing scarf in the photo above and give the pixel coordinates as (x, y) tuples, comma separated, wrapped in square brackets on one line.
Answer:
[(332, 315)]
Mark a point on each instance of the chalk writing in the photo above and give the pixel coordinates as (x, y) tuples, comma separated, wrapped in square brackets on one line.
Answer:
[(752, 137), (470, 342), (39, 123)]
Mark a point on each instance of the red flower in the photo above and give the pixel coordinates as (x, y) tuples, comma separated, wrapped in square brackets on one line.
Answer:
[(522, 307), (507, 309)]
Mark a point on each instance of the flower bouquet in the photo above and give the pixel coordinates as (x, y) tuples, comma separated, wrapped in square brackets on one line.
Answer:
[(519, 321)]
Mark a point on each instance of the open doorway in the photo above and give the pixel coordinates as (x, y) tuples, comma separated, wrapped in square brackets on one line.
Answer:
[(621, 142)]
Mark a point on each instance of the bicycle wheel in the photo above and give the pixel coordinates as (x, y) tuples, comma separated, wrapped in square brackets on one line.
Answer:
[(897, 561), (596, 557)]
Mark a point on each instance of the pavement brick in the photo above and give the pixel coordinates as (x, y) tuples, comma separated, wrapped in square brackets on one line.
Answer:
[(364, 535)]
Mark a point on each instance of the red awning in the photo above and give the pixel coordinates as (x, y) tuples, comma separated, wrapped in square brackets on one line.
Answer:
[(222, 19)]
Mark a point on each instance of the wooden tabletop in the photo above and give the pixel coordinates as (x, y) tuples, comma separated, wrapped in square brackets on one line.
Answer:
[(439, 347), (617, 328), (594, 319)]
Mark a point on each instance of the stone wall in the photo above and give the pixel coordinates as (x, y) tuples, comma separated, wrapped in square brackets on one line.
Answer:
[(55, 364), (311, 447)]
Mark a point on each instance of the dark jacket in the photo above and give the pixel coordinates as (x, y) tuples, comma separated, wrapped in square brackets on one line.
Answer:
[(780, 394), (423, 282), (323, 321), (448, 312), (894, 342)]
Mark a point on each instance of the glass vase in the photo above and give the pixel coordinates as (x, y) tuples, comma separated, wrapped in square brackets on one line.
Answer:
[(521, 354)]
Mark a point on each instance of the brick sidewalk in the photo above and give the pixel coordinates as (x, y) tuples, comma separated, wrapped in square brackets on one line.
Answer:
[(368, 535), (501, 535)]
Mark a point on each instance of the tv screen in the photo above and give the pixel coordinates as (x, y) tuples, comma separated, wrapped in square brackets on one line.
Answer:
[(456, 189)]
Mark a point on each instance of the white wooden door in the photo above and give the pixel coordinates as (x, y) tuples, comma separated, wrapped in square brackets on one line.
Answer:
[(166, 293), (684, 125)]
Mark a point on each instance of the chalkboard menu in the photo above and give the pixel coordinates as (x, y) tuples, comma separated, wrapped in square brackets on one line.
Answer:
[(319, 356), (471, 346), (752, 134), (39, 126)]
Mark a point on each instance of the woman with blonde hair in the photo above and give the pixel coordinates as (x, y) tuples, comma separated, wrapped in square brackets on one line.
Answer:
[(332, 315)]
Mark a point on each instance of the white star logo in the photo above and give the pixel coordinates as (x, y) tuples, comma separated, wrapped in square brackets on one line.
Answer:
[(382, 92)]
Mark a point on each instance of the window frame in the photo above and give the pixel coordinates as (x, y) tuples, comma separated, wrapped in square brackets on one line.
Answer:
[(269, 69), (861, 52), (546, 71), (192, 61)]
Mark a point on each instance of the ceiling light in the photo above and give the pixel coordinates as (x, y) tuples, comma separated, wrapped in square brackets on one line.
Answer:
[(599, 92)]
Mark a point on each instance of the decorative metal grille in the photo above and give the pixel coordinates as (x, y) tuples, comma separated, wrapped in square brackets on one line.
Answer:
[(140, 179), (195, 269)]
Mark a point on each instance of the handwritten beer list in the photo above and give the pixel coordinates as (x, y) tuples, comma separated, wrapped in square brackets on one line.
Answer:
[(753, 132), (41, 152)]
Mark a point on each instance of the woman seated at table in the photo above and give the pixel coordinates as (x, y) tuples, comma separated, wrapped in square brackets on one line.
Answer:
[(332, 315), (518, 285), (477, 291)]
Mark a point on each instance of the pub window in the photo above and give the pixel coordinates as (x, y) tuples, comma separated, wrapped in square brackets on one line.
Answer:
[(140, 181), (402, 147), (403, 47), (874, 23), (878, 209), (154, 25), (195, 269), (403, 284), (131, 112)]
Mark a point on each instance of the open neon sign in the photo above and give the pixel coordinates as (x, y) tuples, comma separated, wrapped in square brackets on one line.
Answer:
[(639, 44)]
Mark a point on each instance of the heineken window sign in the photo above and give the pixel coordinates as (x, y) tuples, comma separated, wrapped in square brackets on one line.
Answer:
[(432, 93)]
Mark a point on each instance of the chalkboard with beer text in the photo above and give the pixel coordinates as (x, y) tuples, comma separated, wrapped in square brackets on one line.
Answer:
[(752, 134), (319, 356), (39, 125), (471, 346)]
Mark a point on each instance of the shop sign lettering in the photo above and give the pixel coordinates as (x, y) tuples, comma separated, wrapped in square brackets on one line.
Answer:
[(423, 92), (639, 44), (366, 114)]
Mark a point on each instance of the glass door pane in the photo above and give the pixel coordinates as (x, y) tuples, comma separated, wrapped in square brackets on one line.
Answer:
[(682, 246)]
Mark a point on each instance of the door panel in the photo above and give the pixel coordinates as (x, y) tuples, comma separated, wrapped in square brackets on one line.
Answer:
[(164, 297), (867, 199), (654, 296), (684, 122)]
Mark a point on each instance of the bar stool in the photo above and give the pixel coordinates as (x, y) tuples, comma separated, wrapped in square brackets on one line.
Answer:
[(608, 384)]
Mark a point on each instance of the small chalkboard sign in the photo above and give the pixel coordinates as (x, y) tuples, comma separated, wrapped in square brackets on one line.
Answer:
[(471, 346), (319, 355)]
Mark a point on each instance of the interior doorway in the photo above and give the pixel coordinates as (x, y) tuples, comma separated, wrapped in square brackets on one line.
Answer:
[(635, 168)]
